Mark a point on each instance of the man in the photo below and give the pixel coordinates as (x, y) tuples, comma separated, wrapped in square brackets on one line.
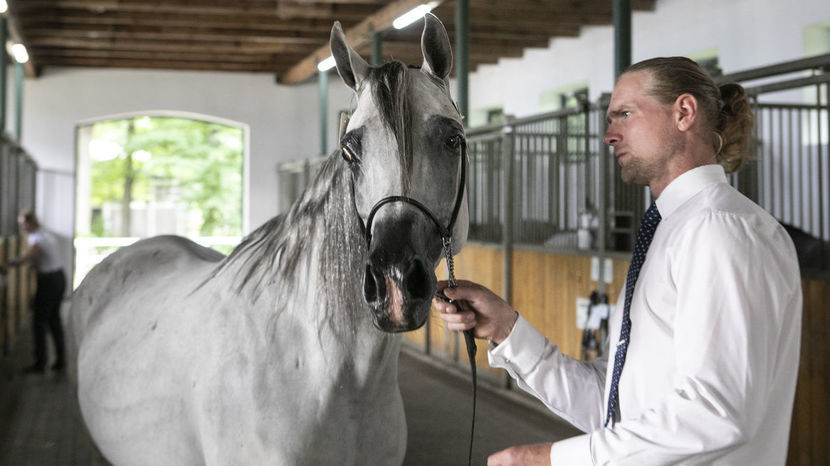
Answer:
[(705, 341), (42, 252)]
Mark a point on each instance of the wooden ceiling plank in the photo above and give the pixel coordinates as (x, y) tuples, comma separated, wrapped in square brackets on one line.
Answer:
[(185, 21), (93, 44), (228, 9), (52, 53), (104, 34), (165, 64)]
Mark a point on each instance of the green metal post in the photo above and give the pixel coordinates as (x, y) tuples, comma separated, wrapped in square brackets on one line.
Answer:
[(377, 46), (462, 59), (324, 103), (4, 60), (18, 104), (622, 36)]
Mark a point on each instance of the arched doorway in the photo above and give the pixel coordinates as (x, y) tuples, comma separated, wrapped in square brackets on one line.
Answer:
[(155, 173)]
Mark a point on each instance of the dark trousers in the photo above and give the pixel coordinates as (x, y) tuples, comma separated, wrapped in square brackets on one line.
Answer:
[(47, 315)]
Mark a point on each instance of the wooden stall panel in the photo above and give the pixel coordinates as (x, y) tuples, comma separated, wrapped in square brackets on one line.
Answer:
[(809, 432), (3, 306), (12, 291), (545, 288), (22, 291)]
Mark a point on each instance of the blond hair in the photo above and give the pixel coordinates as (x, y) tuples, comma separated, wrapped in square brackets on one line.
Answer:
[(726, 110)]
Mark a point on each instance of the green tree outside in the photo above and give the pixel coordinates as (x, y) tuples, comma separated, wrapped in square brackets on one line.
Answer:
[(201, 161)]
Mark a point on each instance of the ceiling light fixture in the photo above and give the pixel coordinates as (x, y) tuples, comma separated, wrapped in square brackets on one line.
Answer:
[(413, 15), (20, 54), (326, 64)]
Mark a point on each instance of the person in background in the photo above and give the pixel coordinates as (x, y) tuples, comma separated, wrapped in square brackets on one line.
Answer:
[(42, 252), (706, 335)]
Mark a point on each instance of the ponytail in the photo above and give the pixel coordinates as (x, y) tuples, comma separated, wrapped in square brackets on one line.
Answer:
[(734, 127)]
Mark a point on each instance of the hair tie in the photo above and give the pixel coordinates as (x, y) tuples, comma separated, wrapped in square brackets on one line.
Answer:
[(720, 143)]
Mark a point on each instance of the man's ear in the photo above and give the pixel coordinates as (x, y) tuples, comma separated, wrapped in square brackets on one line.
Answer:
[(684, 111)]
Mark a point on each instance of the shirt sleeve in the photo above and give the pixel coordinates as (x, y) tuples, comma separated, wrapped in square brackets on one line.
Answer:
[(735, 283), (570, 388)]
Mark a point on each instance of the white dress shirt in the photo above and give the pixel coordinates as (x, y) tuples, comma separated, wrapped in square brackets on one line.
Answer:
[(711, 368)]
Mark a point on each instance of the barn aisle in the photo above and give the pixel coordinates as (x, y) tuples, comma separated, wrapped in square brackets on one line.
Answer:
[(38, 425), (438, 407)]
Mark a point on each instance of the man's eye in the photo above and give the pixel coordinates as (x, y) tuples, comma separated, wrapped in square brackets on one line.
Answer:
[(626, 114)]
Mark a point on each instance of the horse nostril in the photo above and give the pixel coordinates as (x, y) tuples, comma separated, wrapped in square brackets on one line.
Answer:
[(370, 285), (416, 281)]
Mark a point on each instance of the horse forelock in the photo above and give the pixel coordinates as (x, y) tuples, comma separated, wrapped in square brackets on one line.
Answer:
[(391, 96)]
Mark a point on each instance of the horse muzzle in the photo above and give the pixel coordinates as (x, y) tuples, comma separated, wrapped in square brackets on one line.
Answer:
[(399, 293)]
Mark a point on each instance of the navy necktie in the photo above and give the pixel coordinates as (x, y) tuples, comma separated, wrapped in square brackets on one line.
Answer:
[(647, 227)]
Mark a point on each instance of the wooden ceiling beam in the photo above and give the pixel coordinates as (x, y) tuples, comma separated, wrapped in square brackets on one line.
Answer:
[(167, 45), (262, 59), (125, 35), (357, 36), (180, 22), (344, 12), (164, 64)]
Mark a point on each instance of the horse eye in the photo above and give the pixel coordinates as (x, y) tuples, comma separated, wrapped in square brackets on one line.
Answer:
[(454, 141), (347, 154)]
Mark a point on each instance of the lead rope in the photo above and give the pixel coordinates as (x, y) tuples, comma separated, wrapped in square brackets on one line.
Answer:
[(468, 337)]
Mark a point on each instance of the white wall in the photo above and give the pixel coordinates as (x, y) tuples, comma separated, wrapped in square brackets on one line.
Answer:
[(283, 120), (746, 34)]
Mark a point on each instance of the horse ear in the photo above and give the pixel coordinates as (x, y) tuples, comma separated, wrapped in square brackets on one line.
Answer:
[(435, 45), (351, 66)]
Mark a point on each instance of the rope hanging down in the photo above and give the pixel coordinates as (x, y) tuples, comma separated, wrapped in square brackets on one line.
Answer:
[(468, 337)]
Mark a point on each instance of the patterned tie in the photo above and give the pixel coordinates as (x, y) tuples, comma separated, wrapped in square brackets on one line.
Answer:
[(647, 227)]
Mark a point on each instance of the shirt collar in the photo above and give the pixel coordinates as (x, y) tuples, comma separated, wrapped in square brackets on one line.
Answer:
[(682, 188)]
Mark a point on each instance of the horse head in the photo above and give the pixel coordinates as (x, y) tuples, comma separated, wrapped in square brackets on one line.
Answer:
[(406, 150)]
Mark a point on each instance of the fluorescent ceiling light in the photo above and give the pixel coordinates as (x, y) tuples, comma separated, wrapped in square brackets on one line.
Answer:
[(4, 6), (413, 15), (19, 53), (326, 64)]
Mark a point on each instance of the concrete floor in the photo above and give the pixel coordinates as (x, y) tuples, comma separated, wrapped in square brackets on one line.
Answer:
[(39, 426)]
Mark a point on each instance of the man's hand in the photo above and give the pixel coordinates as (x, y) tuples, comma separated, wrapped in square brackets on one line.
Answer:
[(527, 455), (491, 316)]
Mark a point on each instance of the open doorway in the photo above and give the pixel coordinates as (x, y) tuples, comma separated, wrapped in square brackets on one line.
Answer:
[(145, 175)]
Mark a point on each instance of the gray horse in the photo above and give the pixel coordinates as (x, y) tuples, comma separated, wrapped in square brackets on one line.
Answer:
[(280, 353)]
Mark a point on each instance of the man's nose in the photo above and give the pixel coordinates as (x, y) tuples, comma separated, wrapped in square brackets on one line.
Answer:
[(611, 137)]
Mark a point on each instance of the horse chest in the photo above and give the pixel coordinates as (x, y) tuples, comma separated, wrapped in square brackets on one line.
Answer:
[(302, 408)]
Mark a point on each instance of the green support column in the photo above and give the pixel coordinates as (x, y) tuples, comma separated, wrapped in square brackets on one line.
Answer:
[(4, 61), (462, 55), (18, 103), (324, 110), (622, 36), (377, 46)]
